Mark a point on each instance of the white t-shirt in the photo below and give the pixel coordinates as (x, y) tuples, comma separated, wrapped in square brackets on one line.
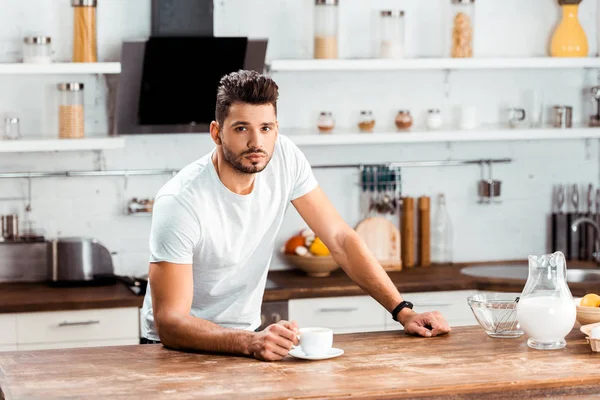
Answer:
[(228, 238)]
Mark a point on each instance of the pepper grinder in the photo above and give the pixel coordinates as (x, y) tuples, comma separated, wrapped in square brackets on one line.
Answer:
[(595, 119)]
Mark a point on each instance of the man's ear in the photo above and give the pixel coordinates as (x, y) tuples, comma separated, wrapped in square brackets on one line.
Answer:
[(214, 132)]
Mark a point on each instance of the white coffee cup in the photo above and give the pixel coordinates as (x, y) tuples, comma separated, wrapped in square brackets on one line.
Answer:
[(315, 341)]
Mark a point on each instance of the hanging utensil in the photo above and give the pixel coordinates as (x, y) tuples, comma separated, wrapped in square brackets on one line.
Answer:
[(573, 242), (590, 233), (559, 221)]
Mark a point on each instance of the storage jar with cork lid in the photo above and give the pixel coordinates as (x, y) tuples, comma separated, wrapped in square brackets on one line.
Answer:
[(71, 119), (326, 29), (84, 31), (463, 23)]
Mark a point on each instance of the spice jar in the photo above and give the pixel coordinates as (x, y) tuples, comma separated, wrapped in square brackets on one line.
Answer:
[(463, 13), (366, 122), (325, 122), (70, 111), (37, 49), (392, 34), (84, 32), (326, 29), (403, 119), (434, 119)]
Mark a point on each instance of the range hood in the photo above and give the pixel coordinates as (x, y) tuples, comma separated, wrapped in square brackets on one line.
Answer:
[(168, 82)]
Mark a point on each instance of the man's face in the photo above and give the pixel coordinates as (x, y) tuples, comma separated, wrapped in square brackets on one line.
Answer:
[(248, 136)]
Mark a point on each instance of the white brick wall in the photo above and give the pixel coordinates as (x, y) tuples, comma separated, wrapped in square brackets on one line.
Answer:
[(513, 229)]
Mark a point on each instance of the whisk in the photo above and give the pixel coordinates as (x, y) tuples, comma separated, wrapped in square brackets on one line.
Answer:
[(503, 324)]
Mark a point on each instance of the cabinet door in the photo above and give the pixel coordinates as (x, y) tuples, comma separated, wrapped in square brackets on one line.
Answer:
[(79, 325), (8, 329), (8, 347), (342, 314)]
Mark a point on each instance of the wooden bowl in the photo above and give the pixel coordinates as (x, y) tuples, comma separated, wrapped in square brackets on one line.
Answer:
[(587, 315), (316, 266)]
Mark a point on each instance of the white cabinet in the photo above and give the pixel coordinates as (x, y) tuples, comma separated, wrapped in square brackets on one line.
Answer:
[(364, 314), (65, 329)]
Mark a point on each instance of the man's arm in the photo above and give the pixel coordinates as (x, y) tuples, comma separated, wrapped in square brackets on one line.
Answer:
[(353, 255), (172, 293)]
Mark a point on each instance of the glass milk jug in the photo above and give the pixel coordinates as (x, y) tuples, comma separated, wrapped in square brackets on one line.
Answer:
[(546, 311)]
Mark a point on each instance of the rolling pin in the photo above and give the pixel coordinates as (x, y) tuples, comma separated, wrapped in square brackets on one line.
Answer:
[(407, 232), (424, 231)]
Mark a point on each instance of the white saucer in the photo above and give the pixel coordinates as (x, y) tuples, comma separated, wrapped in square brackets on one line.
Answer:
[(333, 352)]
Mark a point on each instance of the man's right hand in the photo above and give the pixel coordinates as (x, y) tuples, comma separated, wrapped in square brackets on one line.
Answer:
[(274, 342)]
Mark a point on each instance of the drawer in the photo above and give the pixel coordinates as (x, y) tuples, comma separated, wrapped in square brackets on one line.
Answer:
[(80, 325), (8, 329), (72, 345), (349, 312)]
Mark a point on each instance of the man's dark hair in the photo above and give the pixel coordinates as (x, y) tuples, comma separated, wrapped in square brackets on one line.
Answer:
[(244, 87)]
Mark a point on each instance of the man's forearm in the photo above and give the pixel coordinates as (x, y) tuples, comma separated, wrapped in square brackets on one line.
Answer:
[(186, 332), (364, 269)]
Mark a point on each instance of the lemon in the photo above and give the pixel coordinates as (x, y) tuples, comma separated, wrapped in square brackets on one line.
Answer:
[(318, 248), (590, 300)]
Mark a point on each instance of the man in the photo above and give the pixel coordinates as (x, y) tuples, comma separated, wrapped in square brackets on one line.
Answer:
[(214, 229)]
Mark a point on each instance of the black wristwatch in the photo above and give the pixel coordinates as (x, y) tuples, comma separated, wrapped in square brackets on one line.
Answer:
[(399, 308)]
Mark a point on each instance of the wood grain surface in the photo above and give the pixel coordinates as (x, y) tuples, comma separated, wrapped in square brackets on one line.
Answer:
[(382, 365)]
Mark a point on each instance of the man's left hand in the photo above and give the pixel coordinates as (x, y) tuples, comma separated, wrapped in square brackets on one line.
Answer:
[(427, 324)]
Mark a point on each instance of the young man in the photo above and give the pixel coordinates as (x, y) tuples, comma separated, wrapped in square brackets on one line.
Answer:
[(214, 229)]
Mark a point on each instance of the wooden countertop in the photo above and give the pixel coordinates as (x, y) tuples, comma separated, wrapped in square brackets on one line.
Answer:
[(464, 364), (281, 285)]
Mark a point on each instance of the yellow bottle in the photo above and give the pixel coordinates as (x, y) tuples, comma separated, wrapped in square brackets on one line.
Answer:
[(569, 38)]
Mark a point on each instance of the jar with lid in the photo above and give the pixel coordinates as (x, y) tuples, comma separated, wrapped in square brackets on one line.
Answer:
[(325, 122), (37, 49), (434, 119), (84, 31), (463, 23), (71, 119), (326, 29), (366, 123), (404, 120), (392, 34)]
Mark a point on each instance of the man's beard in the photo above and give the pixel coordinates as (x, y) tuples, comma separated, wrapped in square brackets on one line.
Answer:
[(235, 160)]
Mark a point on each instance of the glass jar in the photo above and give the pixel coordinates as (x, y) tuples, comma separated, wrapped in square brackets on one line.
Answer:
[(71, 120), (366, 123), (326, 29), (12, 129), (434, 119), (37, 50), (325, 122), (463, 22), (403, 120), (84, 32), (392, 34)]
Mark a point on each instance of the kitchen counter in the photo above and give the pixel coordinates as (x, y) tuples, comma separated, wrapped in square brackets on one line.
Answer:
[(464, 364), (281, 285)]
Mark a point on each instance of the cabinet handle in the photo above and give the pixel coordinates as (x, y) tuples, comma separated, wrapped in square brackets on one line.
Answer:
[(433, 305), (340, 309), (91, 322)]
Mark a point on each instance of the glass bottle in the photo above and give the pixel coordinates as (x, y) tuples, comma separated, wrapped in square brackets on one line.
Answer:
[(84, 31), (70, 111), (463, 22), (366, 123), (442, 245), (434, 119), (392, 34), (569, 38), (546, 311), (326, 29), (325, 122), (403, 120)]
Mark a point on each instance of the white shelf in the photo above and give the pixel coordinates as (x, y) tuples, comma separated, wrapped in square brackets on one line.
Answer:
[(432, 64), (61, 68), (312, 138), (50, 145)]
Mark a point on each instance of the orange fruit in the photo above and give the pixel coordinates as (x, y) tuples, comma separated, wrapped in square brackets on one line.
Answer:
[(590, 300), (292, 243), (318, 248)]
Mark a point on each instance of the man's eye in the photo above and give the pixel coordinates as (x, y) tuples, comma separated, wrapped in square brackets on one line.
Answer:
[(240, 128), (266, 128)]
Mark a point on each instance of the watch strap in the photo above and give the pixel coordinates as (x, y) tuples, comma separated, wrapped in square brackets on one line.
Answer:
[(400, 307)]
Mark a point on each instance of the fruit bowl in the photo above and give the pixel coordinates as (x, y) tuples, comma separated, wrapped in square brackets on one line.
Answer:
[(496, 314), (586, 315), (315, 266)]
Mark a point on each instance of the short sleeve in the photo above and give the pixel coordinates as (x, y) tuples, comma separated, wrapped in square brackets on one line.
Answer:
[(304, 179), (175, 232)]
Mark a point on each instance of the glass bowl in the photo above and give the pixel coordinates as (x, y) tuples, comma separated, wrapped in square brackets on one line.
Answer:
[(497, 314)]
